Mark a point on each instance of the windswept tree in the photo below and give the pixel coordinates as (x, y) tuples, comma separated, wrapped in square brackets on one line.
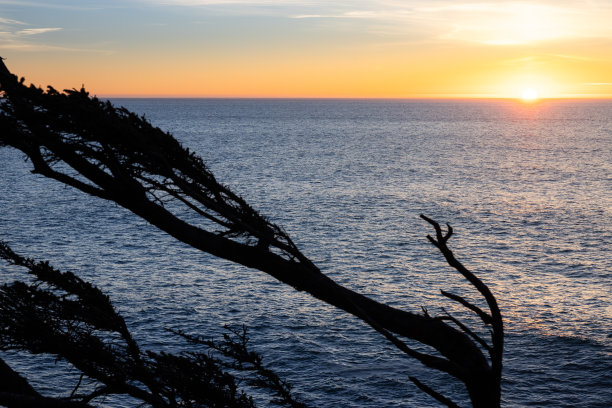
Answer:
[(116, 155), (58, 313)]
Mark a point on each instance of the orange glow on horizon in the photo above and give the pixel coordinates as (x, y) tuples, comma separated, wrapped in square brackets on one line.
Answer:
[(199, 48), (436, 72)]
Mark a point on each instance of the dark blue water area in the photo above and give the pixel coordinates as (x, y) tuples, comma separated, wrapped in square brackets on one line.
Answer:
[(527, 188)]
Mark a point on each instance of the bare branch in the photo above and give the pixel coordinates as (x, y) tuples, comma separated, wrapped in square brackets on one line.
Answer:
[(495, 318), (467, 330), (439, 397), (486, 318), (77, 385)]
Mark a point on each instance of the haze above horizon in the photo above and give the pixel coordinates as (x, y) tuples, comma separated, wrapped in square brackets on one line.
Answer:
[(312, 49)]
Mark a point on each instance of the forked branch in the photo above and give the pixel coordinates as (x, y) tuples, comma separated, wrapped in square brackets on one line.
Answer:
[(494, 318)]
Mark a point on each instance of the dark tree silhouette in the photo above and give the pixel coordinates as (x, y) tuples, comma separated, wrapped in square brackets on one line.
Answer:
[(114, 154), (60, 314)]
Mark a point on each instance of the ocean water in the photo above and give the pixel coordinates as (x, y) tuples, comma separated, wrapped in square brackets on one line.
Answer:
[(527, 188)]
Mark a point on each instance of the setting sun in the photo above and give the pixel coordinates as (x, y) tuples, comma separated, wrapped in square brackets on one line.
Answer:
[(529, 95)]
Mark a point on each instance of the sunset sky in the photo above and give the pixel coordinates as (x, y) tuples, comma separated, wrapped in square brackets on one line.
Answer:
[(295, 48)]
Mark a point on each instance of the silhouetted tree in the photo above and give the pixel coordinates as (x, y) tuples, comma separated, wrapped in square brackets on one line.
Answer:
[(62, 315), (114, 154)]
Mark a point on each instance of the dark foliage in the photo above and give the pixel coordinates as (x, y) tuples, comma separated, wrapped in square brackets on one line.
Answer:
[(60, 314)]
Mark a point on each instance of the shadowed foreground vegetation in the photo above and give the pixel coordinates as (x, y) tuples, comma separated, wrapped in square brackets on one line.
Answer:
[(57, 313), (116, 155)]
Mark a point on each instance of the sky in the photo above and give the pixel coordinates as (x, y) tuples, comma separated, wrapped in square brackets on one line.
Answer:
[(312, 49)]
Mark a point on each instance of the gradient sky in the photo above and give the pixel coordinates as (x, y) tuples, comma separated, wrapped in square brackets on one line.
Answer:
[(363, 48)]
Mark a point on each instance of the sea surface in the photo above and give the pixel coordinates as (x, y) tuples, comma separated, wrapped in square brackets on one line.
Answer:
[(526, 187)]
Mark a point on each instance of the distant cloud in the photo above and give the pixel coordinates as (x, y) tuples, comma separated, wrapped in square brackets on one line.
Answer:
[(500, 23), (309, 16), (542, 58), (51, 5), (573, 57), (348, 14), (14, 37), (495, 24), (11, 22), (20, 46), (245, 2), (36, 31), (509, 23)]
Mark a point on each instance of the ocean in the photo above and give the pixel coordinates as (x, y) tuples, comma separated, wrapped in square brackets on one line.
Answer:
[(526, 187)]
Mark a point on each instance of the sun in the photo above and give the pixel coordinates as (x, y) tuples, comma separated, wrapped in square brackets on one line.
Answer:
[(529, 95)]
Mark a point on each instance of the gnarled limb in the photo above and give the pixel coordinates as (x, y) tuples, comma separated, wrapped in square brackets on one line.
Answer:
[(494, 318)]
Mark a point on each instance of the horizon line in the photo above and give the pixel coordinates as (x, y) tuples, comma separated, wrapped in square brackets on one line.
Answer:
[(420, 97)]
